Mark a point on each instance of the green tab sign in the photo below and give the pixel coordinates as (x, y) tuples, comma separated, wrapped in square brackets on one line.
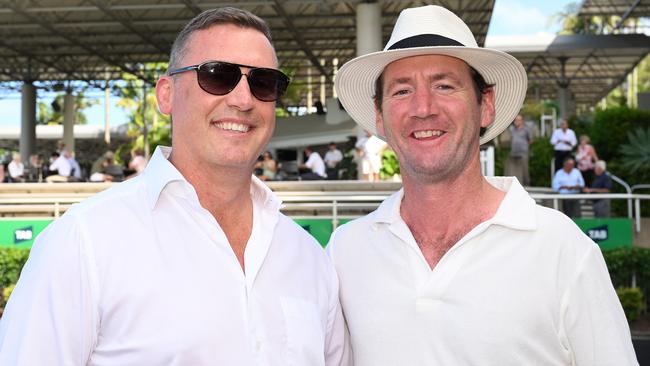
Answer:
[(608, 233), (20, 233)]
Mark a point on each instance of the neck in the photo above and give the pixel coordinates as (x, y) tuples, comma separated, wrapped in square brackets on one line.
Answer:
[(218, 188), (225, 193), (439, 214)]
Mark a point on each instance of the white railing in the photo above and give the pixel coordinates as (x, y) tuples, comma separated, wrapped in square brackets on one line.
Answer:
[(334, 205)]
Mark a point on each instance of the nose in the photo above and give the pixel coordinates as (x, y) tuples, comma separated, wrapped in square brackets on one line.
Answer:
[(241, 97), (423, 103)]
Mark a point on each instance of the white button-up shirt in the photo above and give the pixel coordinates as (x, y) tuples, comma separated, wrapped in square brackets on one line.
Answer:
[(525, 287), (142, 274), (316, 164), (570, 179), (62, 166), (560, 135)]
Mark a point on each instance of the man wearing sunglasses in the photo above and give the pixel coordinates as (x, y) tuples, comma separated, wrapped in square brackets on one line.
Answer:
[(191, 262)]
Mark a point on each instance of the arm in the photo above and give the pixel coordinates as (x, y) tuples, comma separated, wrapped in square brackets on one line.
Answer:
[(337, 339), (593, 153), (51, 317), (554, 138), (571, 139), (556, 182), (592, 318), (581, 181)]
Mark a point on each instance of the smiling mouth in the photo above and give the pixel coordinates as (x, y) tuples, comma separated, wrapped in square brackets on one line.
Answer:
[(230, 126), (427, 134)]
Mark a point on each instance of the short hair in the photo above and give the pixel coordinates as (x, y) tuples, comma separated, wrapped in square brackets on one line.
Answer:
[(566, 160), (480, 87), (212, 17), (601, 164)]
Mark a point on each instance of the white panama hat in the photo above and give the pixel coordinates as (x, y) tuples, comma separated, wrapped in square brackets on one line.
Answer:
[(432, 30)]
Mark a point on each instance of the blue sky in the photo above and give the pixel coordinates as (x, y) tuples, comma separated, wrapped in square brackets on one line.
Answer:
[(509, 17)]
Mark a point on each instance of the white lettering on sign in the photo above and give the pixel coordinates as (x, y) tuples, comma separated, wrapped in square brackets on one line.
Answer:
[(24, 235), (597, 234)]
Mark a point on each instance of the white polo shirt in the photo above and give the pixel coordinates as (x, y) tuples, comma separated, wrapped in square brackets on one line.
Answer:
[(526, 287), (142, 274)]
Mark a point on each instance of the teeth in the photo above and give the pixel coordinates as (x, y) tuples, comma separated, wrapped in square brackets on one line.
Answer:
[(233, 126), (426, 133)]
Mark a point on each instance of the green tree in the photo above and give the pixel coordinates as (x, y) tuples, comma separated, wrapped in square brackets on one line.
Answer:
[(138, 99), (52, 113)]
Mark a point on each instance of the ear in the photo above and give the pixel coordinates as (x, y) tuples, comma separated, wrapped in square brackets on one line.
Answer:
[(487, 108), (164, 94), (379, 122)]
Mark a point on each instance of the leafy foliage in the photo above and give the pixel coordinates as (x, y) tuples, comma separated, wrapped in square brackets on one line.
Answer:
[(636, 153), (628, 265), (632, 302), (389, 164), (11, 263), (6, 292), (539, 163), (139, 101), (610, 127), (52, 114)]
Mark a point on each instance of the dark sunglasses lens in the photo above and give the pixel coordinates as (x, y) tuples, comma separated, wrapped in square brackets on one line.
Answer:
[(218, 78), (267, 85)]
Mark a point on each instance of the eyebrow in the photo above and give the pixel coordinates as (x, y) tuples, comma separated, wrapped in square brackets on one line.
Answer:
[(435, 77)]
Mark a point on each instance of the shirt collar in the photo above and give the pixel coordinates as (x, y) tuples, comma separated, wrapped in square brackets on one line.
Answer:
[(160, 172), (516, 211)]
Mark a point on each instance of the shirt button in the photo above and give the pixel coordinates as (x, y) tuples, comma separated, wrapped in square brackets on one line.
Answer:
[(258, 345)]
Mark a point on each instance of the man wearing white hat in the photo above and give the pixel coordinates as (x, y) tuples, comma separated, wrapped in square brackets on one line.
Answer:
[(457, 268)]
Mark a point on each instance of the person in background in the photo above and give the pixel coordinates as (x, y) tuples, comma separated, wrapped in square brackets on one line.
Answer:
[(586, 156), (16, 169), (333, 158), (191, 262), (371, 147), (457, 268), (34, 170), (60, 168), (315, 164), (76, 175), (138, 162), (601, 184), (266, 168), (106, 170), (520, 139), (563, 141), (568, 180)]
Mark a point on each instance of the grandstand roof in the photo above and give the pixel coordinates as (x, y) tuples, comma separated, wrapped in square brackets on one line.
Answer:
[(593, 64), (91, 40)]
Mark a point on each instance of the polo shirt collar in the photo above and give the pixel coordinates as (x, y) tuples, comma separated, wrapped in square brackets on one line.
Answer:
[(516, 211)]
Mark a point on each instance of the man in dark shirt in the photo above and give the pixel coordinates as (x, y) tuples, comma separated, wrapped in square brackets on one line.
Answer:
[(601, 184)]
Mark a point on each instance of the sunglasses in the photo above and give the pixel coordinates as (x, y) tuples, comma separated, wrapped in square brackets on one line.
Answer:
[(220, 78)]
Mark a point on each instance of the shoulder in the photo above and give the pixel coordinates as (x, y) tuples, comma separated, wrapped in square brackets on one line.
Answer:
[(115, 202), (348, 235), (560, 232), (297, 239)]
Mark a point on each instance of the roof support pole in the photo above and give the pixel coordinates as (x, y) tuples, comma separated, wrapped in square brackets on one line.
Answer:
[(28, 121), (368, 35), (563, 89), (368, 28), (68, 120)]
